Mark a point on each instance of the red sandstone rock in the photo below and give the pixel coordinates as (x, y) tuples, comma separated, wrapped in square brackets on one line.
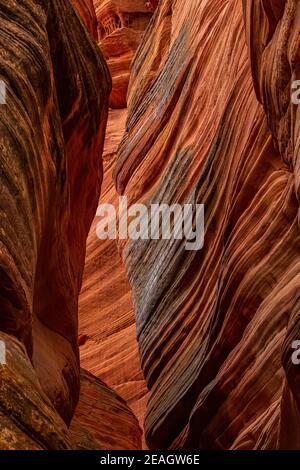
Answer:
[(87, 12), (28, 420), (121, 24), (51, 135), (275, 65), (213, 325), (210, 121), (106, 318), (102, 419)]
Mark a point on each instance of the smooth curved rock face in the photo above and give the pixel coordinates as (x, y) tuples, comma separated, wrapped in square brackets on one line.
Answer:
[(103, 421), (121, 25), (107, 331), (213, 325), (51, 138), (273, 41), (273, 35), (87, 12), (28, 420)]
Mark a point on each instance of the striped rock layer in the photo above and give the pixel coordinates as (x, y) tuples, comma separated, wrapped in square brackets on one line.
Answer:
[(121, 24), (102, 419), (87, 13), (107, 331), (52, 128), (210, 120)]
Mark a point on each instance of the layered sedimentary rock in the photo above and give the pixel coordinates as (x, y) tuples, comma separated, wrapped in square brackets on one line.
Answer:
[(51, 137), (121, 25), (107, 332), (28, 420), (273, 41), (216, 326), (87, 12), (103, 420), (210, 121)]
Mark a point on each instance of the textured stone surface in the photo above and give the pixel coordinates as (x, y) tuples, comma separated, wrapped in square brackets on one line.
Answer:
[(214, 325), (102, 419), (28, 420), (87, 12), (210, 121), (121, 24), (51, 138), (273, 40), (107, 333)]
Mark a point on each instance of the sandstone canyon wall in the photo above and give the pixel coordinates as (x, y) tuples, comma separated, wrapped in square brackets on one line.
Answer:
[(107, 332), (52, 130), (87, 13), (103, 419), (121, 24), (210, 121)]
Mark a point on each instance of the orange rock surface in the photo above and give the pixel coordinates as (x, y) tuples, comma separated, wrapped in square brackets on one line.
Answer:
[(52, 128), (107, 333), (210, 121), (216, 326), (275, 66), (103, 420), (87, 12), (121, 24)]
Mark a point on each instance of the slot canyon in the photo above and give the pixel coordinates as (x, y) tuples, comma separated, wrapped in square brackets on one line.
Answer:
[(128, 344)]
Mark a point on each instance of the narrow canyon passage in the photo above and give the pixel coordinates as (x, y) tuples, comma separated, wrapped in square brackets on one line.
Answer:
[(199, 126), (107, 330), (147, 341)]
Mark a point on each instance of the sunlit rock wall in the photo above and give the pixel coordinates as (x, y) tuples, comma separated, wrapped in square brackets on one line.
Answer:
[(216, 326), (121, 25), (52, 130)]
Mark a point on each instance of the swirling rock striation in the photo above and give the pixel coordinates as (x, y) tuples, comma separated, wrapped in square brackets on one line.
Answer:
[(216, 326), (121, 25), (87, 12), (210, 121), (28, 420), (273, 41), (107, 330), (102, 419), (51, 138)]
